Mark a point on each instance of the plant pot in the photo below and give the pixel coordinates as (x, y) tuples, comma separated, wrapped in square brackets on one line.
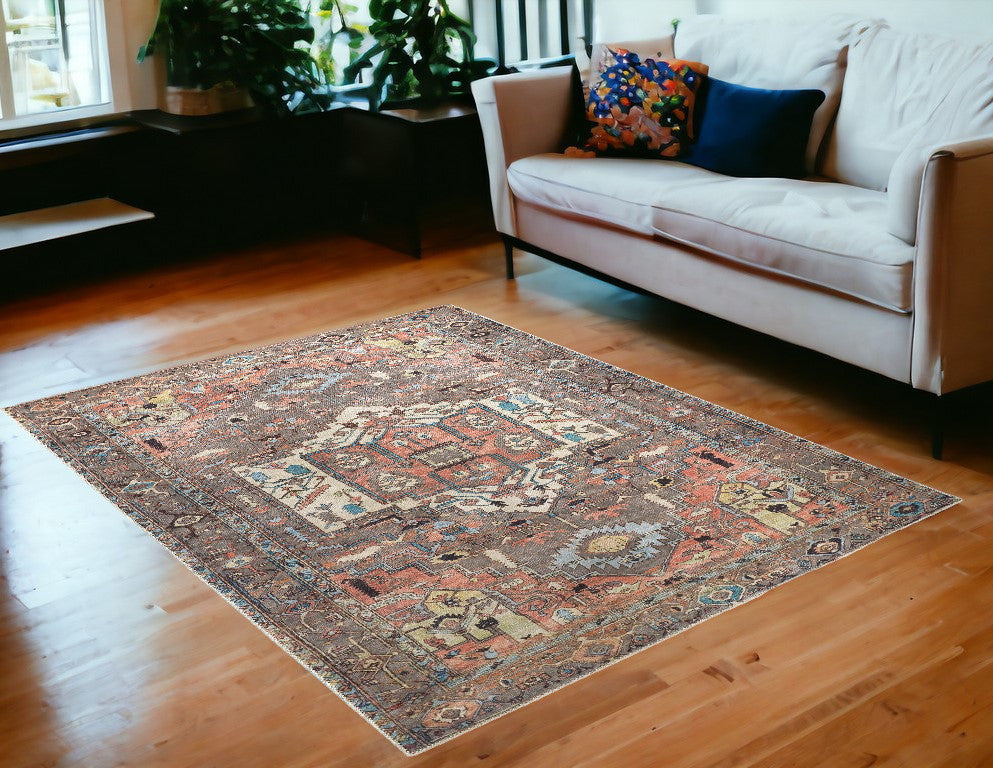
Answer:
[(206, 101)]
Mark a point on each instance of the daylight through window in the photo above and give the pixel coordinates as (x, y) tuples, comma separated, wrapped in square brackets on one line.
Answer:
[(53, 61)]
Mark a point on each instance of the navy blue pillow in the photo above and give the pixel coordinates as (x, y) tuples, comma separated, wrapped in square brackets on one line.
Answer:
[(744, 131)]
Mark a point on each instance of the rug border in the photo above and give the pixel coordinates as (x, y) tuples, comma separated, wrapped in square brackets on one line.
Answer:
[(206, 576), (261, 623)]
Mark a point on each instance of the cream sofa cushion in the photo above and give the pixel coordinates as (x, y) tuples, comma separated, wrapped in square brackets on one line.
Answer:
[(775, 53), (831, 235), (906, 91)]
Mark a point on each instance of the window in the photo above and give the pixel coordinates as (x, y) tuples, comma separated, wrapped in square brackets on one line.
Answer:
[(507, 31), (53, 61)]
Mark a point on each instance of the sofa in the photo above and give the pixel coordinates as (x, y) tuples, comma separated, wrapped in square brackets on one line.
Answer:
[(882, 256)]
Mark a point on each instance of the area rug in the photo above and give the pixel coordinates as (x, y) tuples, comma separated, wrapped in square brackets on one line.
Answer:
[(444, 518)]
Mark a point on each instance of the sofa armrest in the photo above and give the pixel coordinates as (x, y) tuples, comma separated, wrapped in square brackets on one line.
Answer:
[(907, 175), (953, 271), (522, 114)]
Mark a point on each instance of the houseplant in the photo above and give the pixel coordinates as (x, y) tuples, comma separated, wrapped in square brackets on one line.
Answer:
[(334, 23), (258, 46), (422, 53)]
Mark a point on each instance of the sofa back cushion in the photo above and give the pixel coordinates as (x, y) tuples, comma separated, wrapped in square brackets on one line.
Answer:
[(776, 54), (907, 89)]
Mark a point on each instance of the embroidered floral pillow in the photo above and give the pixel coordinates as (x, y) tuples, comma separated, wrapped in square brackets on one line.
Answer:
[(642, 108), (602, 57)]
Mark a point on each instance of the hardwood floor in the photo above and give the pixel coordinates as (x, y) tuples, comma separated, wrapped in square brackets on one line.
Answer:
[(113, 654)]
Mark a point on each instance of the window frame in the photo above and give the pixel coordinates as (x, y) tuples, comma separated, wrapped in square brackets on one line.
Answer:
[(109, 39)]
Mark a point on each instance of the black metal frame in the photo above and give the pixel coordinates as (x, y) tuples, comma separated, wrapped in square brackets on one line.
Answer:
[(939, 416), (510, 243), (565, 37), (938, 406)]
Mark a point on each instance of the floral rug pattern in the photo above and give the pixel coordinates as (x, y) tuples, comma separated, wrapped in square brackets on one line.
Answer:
[(444, 518)]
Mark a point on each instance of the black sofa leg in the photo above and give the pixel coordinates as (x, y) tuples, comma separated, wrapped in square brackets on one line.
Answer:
[(938, 408), (508, 254)]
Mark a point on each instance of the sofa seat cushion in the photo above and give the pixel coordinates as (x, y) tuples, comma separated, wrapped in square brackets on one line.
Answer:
[(828, 234)]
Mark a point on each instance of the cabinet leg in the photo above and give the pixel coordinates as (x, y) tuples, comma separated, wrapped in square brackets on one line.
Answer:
[(508, 255)]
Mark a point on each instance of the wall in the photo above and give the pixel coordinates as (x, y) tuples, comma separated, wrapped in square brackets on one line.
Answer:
[(130, 22), (145, 79), (620, 19), (637, 19)]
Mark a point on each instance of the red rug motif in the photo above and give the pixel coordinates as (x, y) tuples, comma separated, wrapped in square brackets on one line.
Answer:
[(444, 518)]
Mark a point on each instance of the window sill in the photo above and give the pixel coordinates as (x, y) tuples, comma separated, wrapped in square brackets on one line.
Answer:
[(29, 126), (24, 151)]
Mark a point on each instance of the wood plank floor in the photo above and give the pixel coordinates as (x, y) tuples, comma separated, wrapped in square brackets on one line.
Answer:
[(113, 654)]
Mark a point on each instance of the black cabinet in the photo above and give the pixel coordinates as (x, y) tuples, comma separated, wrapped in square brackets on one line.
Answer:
[(231, 179), (398, 166)]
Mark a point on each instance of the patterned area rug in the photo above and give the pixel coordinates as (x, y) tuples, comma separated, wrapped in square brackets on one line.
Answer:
[(444, 518)]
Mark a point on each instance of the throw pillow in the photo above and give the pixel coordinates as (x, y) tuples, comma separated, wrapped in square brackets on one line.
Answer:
[(752, 131), (643, 108)]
